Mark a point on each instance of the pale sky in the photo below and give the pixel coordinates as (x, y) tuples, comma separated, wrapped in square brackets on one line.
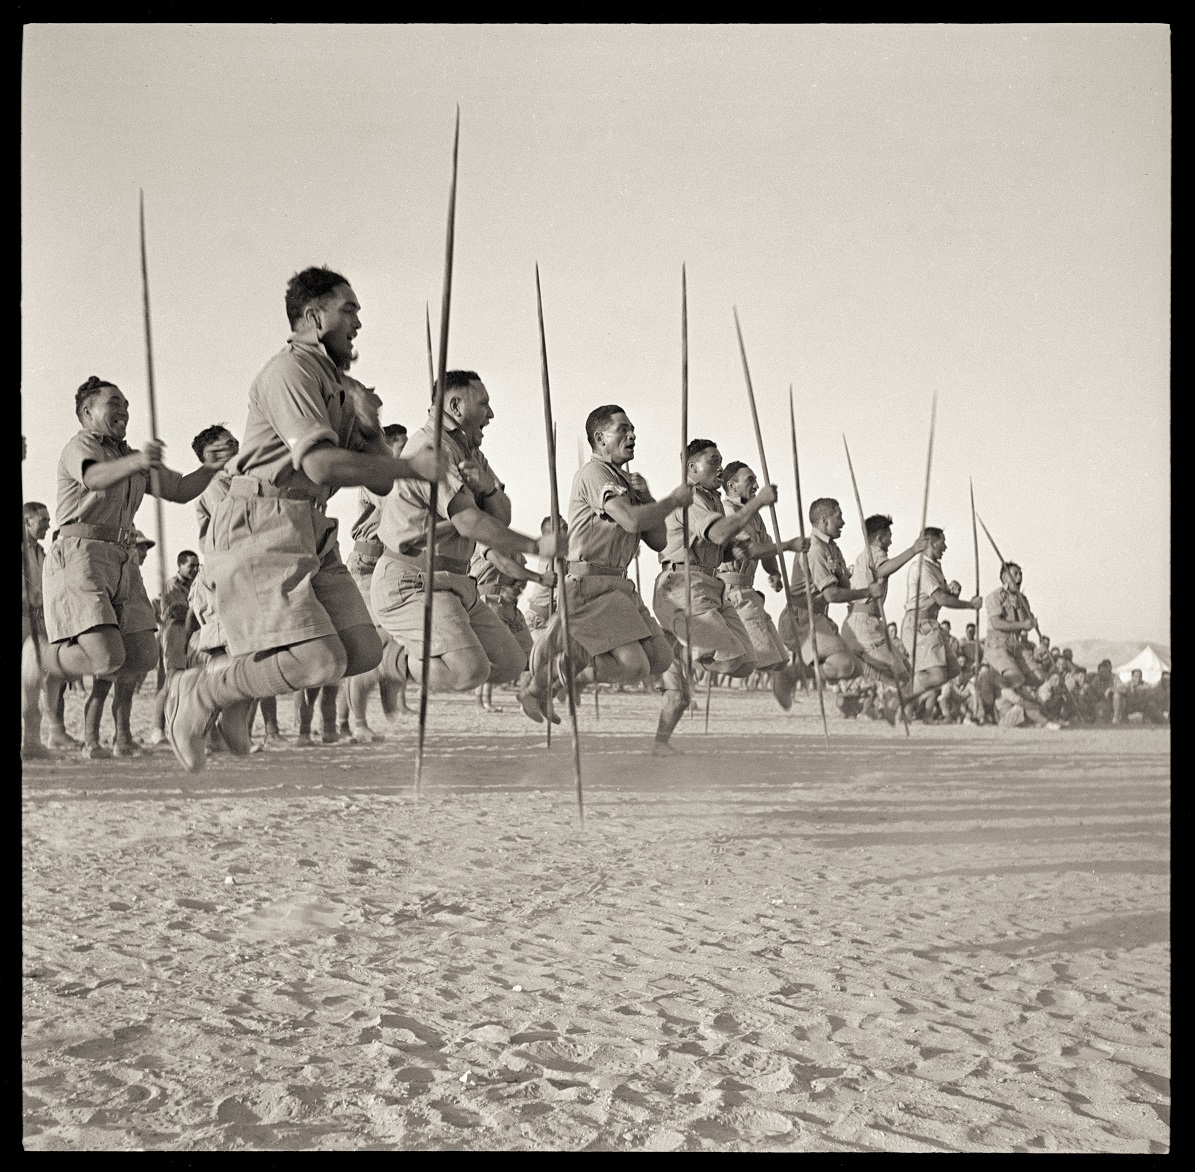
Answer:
[(981, 211)]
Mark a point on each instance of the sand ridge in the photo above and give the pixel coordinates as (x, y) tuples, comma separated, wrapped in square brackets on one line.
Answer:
[(954, 942)]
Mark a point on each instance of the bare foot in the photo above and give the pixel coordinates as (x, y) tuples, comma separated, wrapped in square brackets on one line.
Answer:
[(125, 749), (94, 752), (303, 740), (364, 735), (664, 749), (59, 738)]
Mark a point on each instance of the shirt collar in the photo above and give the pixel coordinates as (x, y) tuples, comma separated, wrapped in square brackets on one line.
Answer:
[(817, 533), (302, 342)]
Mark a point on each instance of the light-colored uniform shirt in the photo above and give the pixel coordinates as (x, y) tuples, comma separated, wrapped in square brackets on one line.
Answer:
[(704, 513), (172, 606), (593, 535), (1013, 608), (736, 562), (205, 505), (932, 578), (403, 523), (116, 505), (295, 403), (537, 595), (369, 515), (827, 568), (35, 559), (862, 576)]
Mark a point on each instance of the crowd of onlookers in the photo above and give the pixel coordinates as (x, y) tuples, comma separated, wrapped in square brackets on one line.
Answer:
[(1066, 692)]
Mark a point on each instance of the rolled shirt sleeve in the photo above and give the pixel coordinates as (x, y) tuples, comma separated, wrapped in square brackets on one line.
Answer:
[(291, 401), (822, 570)]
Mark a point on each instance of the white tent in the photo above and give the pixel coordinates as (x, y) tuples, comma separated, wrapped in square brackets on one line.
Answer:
[(1148, 662)]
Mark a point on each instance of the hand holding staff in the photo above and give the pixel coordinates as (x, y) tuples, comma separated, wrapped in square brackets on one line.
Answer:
[(929, 459), (429, 584), (561, 554), (872, 566), (817, 669), (975, 543), (159, 516)]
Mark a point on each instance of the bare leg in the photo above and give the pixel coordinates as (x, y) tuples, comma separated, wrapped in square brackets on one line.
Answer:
[(327, 713), (93, 712), (676, 703), (54, 705), (31, 697)]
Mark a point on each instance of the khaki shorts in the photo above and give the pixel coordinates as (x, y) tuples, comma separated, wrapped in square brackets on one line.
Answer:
[(88, 584), (864, 636), (931, 645), (1009, 659), (277, 574), (605, 612), (512, 618), (173, 641), (792, 632), (210, 635), (460, 620), (765, 640), (718, 632)]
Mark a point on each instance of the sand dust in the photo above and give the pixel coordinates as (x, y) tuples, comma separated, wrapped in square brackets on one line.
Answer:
[(958, 942)]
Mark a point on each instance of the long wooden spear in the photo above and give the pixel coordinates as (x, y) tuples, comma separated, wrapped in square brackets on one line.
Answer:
[(929, 459), (561, 554), (549, 698), (154, 486), (431, 364), (684, 479), (437, 441), (879, 602), (817, 670), (1003, 563), (763, 467), (975, 542)]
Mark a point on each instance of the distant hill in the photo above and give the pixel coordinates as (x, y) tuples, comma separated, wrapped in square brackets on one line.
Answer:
[(1089, 652)]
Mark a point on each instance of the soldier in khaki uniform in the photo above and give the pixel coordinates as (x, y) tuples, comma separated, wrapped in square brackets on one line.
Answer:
[(292, 616), (98, 616), (538, 596), (33, 619), (173, 612), (500, 580), (862, 633), (738, 574), (390, 675), (935, 663), (830, 582), (470, 645), (1009, 620), (615, 638)]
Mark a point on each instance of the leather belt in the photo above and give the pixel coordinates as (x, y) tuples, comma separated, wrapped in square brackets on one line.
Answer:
[(113, 534), (251, 486), (419, 565), (694, 566), (732, 578), (588, 569), (372, 548)]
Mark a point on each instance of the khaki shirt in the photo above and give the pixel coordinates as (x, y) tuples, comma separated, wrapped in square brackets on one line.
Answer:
[(35, 560), (490, 579), (172, 606), (116, 505), (735, 554), (296, 402), (369, 515), (862, 576), (932, 578), (827, 567), (593, 535), (1013, 608), (704, 513), (403, 524), (205, 506)]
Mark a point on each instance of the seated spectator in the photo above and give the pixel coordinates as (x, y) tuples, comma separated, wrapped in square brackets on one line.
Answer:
[(1099, 691), (1135, 697)]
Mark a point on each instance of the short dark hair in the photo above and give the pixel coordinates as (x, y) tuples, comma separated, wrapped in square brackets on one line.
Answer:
[(32, 507), (697, 446), (92, 386), (393, 430), (208, 436), (731, 469), (184, 554), (945, 623), (456, 379), (1009, 566), (1107, 661), (877, 523), (1067, 653), (313, 284), (933, 531), (598, 418), (822, 507)]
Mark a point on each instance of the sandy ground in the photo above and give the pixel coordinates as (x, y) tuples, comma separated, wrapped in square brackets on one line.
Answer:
[(954, 942)]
